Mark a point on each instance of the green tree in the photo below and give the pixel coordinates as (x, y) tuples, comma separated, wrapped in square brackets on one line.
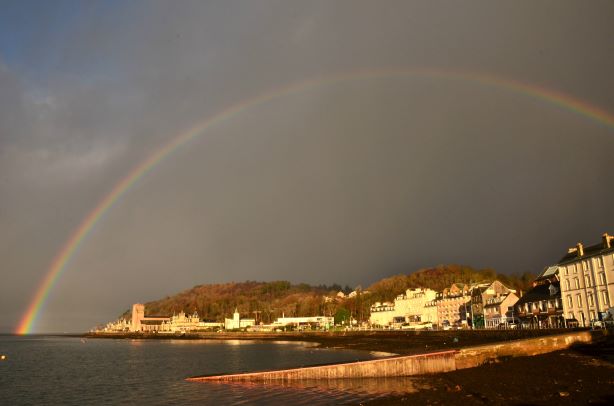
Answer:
[(342, 315)]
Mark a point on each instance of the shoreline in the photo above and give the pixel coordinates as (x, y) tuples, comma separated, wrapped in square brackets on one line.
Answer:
[(391, 342)]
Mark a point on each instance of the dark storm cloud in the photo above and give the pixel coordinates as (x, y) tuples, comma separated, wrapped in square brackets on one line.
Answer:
[(347, 182)]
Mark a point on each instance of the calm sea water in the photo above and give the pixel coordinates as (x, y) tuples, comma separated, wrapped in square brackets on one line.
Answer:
[(71, 371)]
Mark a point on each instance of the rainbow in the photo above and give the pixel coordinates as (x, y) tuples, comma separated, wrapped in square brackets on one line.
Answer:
[(63, 257)]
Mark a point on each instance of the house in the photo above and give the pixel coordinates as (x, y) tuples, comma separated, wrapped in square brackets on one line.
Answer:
[(480, 295), (542, 305), (499, 309)]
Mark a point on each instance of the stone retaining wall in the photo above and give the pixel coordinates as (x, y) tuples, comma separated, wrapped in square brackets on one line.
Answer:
[(385, 367)]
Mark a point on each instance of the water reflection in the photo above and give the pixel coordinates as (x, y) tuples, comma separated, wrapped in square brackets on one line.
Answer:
[(321, 391)]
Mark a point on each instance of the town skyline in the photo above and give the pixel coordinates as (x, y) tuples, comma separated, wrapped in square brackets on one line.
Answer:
[(148, 147)]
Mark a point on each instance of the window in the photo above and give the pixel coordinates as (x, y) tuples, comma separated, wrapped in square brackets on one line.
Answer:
[(575, 268), (566, 270), (600, 262), (587, 281), (576, 283), (579, 300), (602, 278), (567, 285), (584, 265), (591, 302), (569, 302), (605, 298)]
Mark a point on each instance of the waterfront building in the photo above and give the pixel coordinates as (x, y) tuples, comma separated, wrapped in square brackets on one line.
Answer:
[(409, 307), (237, 322), (453, 304), (412, 304), (313, 321), (499, 310), (542, 305), (145, 324), (181, 323), (118, 326), (480, 295), (587, 280), (430, 313), (381, 314)]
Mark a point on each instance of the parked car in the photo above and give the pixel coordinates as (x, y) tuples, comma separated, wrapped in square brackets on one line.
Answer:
[(597, 324)]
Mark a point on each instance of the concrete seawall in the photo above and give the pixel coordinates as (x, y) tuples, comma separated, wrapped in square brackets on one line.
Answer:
[(385, 367), (415, 364), (475, 356)]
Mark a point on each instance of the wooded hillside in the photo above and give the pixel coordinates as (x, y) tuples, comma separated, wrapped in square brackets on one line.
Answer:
[(266, 301)]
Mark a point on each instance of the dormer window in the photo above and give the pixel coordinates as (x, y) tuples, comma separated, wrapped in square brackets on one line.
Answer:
[(553, 290)]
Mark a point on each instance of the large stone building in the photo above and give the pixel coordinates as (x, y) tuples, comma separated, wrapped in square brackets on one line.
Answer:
[(587, 280), (409, 307), (453, 304), (146, 324)]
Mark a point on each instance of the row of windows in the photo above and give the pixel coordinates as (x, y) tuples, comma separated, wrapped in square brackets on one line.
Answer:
[(581, 318), (587, 281), (541, 306), (586, 265), (589, 297)]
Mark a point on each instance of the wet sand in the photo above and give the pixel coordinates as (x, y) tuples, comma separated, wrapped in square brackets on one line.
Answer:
[(583, 374)]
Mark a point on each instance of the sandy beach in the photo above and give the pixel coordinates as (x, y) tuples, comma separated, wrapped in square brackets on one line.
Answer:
[(583, 374)]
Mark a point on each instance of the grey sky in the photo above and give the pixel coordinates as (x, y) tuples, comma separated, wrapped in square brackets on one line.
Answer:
[(346, 182)]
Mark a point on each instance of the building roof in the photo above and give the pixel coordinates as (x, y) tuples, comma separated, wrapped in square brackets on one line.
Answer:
[(589, 252), (540, 292), (550, 271)]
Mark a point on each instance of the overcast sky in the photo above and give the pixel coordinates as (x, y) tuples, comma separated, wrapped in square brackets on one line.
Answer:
[(346, 181)]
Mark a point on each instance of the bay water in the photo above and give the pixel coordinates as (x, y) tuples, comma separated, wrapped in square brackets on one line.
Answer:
[(55, 370)]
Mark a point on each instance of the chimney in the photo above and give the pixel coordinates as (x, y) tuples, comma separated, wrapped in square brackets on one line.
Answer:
[(580, 249), (607, 240)]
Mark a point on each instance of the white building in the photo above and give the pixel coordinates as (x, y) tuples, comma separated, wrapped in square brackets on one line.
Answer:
[(587, 280), (237, 322), (316, 321)]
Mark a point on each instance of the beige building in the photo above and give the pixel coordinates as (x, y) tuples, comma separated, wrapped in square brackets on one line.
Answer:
[(182, 323), (410, 307), (381, 314), (587, 280), (453, 304)]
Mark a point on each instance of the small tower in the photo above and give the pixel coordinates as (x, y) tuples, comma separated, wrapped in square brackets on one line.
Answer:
[(138, 314), (236, 319)]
